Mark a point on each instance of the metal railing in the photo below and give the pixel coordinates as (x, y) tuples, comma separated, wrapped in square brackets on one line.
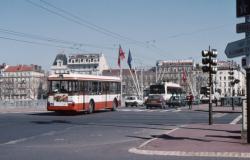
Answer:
[(23, 103)]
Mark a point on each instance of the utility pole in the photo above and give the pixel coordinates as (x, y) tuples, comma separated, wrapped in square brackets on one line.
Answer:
[(210, 67), (231, 77)]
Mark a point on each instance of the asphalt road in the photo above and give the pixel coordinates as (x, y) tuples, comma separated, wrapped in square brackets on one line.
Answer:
[(104, 135)]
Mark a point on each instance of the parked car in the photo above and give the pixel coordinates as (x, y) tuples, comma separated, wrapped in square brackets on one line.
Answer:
[(177, 101), (155, 101), (133, 101)]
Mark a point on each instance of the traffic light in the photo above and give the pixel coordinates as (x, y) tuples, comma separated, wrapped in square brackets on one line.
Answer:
[(209, 65), (208, 61), (207, 90)]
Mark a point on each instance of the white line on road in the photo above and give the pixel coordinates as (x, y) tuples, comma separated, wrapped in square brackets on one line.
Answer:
[(236, 120), (148, 141), (218, 115)]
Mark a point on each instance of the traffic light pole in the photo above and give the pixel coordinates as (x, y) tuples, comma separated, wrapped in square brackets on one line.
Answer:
[(248, 105), (210, 114), (209, 63), (247, 19)]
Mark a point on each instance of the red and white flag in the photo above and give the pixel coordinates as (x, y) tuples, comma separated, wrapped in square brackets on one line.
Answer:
[(121, 55)]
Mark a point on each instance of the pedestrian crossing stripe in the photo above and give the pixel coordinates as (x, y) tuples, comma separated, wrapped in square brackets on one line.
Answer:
[(147, 110)]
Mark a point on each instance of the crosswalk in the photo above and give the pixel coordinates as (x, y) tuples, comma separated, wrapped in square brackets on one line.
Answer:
[(215, 115), (147, 110)]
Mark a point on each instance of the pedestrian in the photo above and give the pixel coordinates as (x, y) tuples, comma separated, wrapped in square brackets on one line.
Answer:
[(190, 100), (216, 101)]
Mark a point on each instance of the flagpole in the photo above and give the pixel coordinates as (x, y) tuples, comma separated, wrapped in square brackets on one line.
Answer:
[(121, 83), (136, 88), (138, 85)]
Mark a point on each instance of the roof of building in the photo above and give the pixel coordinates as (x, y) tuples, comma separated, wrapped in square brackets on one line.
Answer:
[(61, 57), (23, 68)]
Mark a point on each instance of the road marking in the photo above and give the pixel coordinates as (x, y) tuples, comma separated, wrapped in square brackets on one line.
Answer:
[(148, 141), (165, 110), (178, 110), (147, 110), (16, 141), (218, 115), (236, 120)]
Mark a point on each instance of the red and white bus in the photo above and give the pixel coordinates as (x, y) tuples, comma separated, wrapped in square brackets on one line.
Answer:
[(78, 92)]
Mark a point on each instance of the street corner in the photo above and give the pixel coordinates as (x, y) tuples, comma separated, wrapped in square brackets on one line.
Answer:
[(199, 140)]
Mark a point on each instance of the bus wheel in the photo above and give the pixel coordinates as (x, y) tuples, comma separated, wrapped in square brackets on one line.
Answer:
[(114, 105), (91, 107)]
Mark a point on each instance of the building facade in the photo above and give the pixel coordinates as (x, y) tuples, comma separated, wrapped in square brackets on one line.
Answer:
[(23, 82), (80, 63), (59, 65), (222, 81), (183, 72)]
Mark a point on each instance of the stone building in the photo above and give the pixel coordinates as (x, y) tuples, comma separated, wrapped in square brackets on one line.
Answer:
[(222, 81), (79, 63), (23, 82), (183, 72)]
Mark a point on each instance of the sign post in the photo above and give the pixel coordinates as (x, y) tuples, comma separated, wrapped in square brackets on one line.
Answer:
[(242, 48), (247, 19)]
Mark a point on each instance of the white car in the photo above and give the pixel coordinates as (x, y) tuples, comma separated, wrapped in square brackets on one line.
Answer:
[(133, 101)]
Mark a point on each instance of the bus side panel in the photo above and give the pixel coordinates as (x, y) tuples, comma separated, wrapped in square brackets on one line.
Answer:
[(110, 99), (101, 101), (73, 107)]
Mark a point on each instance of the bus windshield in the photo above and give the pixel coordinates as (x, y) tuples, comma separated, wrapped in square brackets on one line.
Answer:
[(63, 86), (157, 89), (174, 90)]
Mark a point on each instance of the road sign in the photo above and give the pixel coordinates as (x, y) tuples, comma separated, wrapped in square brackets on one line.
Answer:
[(242, 8), (243, 27), (238, 48)]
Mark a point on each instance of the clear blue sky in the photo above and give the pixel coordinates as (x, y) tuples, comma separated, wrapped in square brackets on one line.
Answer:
[(155, 29)]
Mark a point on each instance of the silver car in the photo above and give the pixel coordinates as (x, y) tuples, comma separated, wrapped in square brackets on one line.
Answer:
[(133, 101)]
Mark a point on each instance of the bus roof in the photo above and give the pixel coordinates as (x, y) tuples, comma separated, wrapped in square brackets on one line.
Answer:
[(73, 76), (172, 84)]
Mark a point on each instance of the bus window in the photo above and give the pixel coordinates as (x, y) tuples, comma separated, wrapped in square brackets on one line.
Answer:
[(100, 87), (104, 87), (113, 87), (64, 86), (55, 86), (174, 90), (118, 88), (94, 87), (157, 89), (73, 86)]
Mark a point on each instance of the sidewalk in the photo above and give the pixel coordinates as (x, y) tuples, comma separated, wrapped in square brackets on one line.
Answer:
[(218, 140), (223, 109)]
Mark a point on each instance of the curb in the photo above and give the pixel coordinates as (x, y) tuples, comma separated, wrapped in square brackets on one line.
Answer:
[(191, 154)]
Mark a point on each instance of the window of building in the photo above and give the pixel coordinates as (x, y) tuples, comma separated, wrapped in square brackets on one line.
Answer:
[(225, 78), (59, 63)]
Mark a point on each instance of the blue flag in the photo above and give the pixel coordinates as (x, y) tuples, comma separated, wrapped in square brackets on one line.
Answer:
[(129, 59)]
